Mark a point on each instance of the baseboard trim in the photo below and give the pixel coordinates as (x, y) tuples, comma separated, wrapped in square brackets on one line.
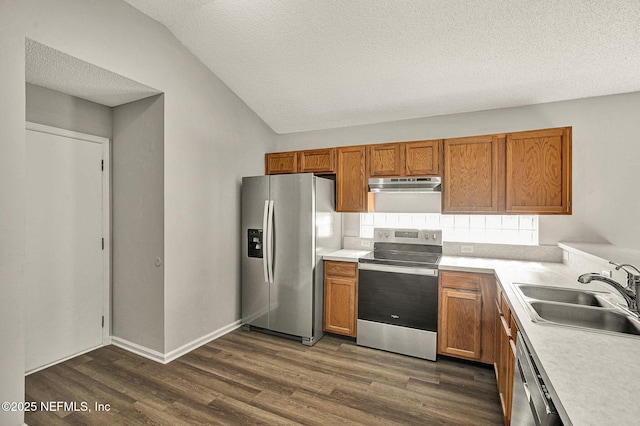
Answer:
[(188, 347), (176, 353), (138, 349)]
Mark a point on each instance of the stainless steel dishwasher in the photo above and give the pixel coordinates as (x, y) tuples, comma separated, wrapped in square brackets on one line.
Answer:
[(531, 403)]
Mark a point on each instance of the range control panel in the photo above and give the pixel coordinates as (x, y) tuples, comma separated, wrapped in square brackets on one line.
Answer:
[(408, 236)]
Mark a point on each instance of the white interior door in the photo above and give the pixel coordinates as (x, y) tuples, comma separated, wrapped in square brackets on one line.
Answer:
[(64, 269)]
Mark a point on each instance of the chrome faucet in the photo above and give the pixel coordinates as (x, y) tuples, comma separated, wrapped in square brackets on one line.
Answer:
[(633, 282), (633, 274)]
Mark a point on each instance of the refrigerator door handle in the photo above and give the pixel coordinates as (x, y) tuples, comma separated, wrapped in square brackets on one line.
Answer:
[(265, 224), (270, 242)]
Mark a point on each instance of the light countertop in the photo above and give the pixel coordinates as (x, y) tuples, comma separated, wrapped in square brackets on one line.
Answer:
[(345, 255), (593, 377)]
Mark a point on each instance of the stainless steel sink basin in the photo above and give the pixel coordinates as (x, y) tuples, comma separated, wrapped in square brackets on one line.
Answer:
[(589, 317), (563, 295)]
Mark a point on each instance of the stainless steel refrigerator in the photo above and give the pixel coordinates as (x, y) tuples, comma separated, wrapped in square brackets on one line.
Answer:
[(288, 223)]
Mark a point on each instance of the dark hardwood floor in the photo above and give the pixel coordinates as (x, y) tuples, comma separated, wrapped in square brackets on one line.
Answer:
[(254, 378)]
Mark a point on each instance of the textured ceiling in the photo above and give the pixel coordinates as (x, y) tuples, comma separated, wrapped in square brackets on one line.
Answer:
[(303, 64), (55, 70)]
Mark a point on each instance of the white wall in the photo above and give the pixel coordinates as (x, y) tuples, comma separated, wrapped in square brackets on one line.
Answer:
[(52, 108), (137, 165), (606, 157), (212, 139)]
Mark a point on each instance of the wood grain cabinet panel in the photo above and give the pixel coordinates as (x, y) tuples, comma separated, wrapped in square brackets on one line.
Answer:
[(466, 316), (281, 163), (459, 333), (538, 172), (340, 297), (351, 181), (471, 175), (317, 161), (422, 158), (506, 335), (385, 160)]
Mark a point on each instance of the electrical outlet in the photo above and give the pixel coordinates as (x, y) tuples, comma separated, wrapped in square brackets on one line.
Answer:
[(466, 249), (606, 273), (365, 243)]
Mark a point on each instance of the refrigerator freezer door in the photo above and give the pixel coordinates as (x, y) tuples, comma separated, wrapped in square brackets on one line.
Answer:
[(255, 289), (293, 256)]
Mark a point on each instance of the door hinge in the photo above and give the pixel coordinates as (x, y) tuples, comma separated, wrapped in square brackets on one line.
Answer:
[(102, 165), (103, 321), (103, 244)]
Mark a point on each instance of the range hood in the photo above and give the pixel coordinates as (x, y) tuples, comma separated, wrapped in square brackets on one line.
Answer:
[(404, 185)]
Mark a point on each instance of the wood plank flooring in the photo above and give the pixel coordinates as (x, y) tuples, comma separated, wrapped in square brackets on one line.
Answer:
[(255, 378)]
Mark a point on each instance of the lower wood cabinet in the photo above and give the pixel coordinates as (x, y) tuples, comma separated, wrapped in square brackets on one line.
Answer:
[(340, 297), (466, 316), (506, 330)]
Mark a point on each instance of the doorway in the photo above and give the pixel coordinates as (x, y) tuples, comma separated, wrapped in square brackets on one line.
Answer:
[(67, 245)]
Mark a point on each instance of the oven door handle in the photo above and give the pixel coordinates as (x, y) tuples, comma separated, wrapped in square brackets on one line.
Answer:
[(398, 269)]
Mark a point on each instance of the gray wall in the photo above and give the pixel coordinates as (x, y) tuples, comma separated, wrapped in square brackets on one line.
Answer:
[(212, 139), (606, 157), (138, 222), (45, 106)]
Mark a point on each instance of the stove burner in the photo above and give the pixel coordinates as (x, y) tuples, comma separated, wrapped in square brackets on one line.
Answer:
[(406, 247)]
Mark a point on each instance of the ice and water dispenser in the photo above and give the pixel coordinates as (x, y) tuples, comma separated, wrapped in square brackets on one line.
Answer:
[(255, 242)]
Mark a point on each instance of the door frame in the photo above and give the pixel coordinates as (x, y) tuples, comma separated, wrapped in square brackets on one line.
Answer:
[(106, 213)]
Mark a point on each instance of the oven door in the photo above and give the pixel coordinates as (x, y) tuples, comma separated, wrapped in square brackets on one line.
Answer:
[(407, 297), (398, 309)]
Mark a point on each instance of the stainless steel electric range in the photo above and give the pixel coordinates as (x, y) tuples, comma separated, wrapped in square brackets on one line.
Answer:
[(398, 292)]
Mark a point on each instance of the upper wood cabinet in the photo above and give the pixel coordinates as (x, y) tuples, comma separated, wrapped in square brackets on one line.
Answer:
[(422, 158), (471, 171), (385, 160), (317, 161), (538, 171), (522, 173), (351, 180), (281, 162), (309, 161)]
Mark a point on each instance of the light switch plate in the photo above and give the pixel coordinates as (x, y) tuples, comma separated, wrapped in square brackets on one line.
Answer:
[(466, 249)]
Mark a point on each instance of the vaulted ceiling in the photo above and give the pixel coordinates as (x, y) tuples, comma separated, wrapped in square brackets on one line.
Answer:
[(314, 64)]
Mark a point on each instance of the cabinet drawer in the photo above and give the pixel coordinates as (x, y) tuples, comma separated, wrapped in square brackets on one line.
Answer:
[(343, 269), (461, 280), (506, 311)]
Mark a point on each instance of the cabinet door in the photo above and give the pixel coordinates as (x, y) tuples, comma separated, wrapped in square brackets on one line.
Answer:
[(385, 160), (339, 305), (470, 180), (351, 181), (459, 333), (538, 173), (317, 161), (281, 162), (422, 158), (506, 373), (511, 367), (484, 287)]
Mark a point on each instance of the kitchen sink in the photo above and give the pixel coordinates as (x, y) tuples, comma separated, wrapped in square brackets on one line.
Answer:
[(563, 295), (589, 317)]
